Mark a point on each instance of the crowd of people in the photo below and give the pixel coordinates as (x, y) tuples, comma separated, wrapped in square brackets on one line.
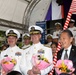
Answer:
[(35, 58)]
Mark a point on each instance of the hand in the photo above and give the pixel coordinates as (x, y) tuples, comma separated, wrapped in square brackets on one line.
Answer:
[(3, 72), (36, 70), (30, 72)]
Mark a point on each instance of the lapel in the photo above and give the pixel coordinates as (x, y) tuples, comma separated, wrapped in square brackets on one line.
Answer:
[(59, 54), (72, 52)]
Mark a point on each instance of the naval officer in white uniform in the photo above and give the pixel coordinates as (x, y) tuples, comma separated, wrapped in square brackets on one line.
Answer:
[(13, 51), (57, 29), (36, 49), (49, 39), (26, 41)]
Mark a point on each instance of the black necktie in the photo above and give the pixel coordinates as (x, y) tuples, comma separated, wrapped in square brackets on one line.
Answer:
[(65, 55)]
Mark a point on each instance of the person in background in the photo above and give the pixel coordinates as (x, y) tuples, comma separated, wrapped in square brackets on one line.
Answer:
[(14, 73), (72, 28), (4, 47), (26, 41), (37, 49), (66, 37), (49, 40), (13, 51), (55, 39), (54, 47), (58, 29)]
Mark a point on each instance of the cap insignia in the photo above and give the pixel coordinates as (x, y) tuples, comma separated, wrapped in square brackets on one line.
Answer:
[(11, 31), (32, 28)]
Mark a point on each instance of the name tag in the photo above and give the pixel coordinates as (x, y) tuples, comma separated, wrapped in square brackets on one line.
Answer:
[(41, 51)]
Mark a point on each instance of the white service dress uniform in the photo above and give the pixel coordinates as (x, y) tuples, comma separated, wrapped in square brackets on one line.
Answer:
[(49, 36), (48, 44), (57, 33), (36, 49), (26, 46), (13, 52), (25, 37)]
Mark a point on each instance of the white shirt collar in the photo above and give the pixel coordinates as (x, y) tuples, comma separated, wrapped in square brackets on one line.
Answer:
[(68, 52)]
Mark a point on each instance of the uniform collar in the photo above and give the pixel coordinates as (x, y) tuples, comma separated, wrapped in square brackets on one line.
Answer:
[(38, 45), (13, 47), (49, 43)]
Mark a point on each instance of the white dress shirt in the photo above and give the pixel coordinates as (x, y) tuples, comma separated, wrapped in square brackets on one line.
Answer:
[(68, 52)]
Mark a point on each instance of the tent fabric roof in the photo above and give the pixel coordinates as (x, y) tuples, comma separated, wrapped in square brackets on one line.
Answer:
[(12, 10), (18, 10)]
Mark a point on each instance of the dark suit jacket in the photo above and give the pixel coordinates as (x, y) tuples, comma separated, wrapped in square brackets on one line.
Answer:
[(72, 56)]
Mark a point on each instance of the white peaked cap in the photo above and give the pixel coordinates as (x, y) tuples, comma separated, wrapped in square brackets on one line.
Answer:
[(57, 23), (15, 31), (36, 28)]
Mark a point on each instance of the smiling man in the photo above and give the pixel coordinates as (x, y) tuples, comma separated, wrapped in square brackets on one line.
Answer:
[(66, 38), (13, 51), (28, 65)]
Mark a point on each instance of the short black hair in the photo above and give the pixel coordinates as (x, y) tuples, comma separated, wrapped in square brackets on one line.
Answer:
[(68, 32), (55, 43), (14, 73)]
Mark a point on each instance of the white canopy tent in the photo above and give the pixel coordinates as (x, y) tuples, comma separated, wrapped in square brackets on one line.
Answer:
[(20, 14)]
